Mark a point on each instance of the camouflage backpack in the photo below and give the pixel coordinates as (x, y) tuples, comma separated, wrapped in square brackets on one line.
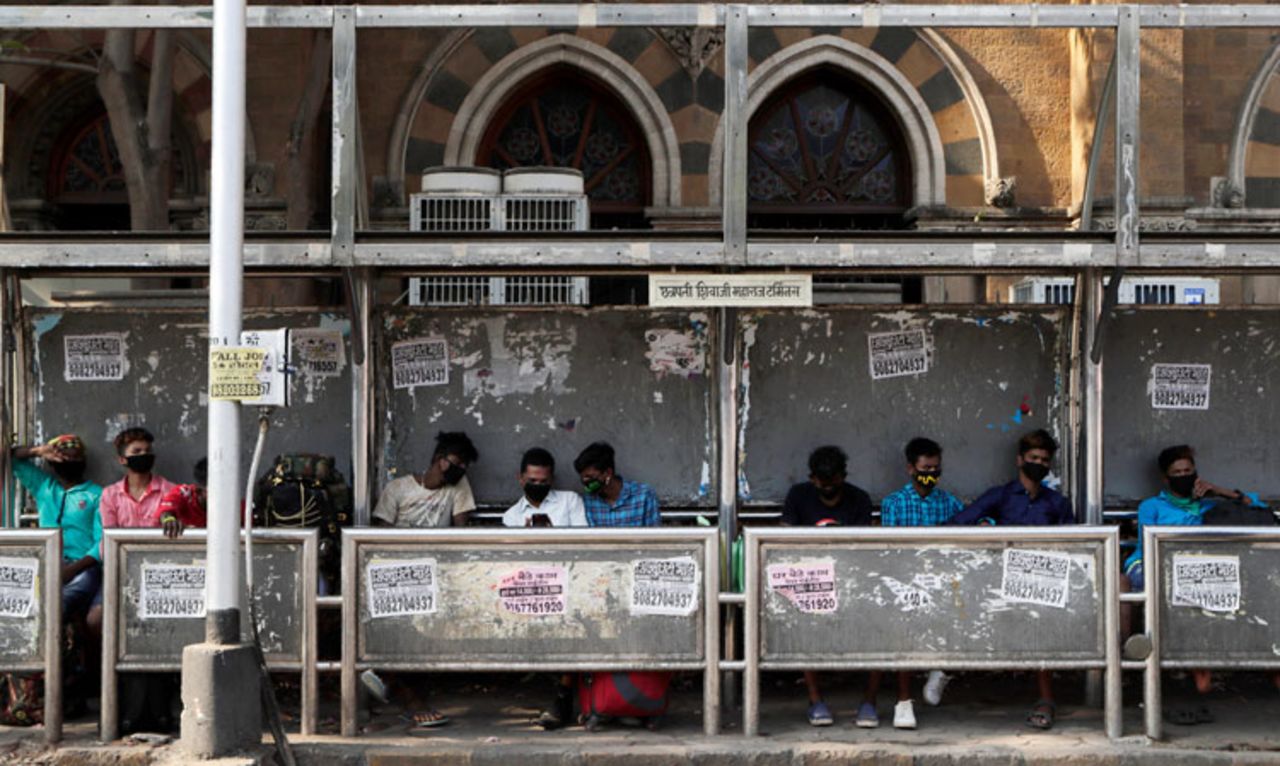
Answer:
[(304, 490)]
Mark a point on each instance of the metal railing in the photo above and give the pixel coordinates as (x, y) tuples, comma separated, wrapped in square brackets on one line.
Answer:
[(135, 641), (465, 611), (866, 618), (31, 632)]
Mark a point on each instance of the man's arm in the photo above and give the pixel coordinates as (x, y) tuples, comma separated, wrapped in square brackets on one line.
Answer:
[(463, 504), (790, 509), (986, 509), (96, 550), (890, 511), (652, 512), (26, 472), (862, 508), (577, 510), (387, 510)]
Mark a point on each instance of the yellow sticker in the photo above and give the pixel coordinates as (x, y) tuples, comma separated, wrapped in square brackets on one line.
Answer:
[(235, 373)]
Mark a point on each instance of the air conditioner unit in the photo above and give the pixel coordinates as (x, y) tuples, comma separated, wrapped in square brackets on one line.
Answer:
[(1167, 291)]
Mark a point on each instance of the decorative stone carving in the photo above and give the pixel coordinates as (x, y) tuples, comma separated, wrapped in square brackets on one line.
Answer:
[(1149, 224), (1001, 192), (1224, 194), (692, 46)]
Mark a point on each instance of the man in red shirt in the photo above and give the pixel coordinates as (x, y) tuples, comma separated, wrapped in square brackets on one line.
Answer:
[(185, 504)]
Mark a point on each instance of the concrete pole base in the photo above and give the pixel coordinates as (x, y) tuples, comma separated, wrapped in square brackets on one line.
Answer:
[(221, 700)]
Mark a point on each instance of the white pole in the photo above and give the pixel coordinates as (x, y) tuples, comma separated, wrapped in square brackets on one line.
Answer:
[(226, 274)]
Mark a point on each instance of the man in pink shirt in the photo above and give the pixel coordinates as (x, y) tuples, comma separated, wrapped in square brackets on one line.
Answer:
[(134, 501)]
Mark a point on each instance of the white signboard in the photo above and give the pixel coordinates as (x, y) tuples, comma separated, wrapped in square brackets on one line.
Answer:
[(420, 362), (94, 357), (402, 588), (810, 587), (171, 592), (895, 354), (18, 586), (318, 353), (1180, 386), (1207, 582), (1036, 577), (664, 586), (535, 591), (746, 290)]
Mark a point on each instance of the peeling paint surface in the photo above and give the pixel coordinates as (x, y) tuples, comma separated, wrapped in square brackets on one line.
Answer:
[(1249, 633), (22, 639)]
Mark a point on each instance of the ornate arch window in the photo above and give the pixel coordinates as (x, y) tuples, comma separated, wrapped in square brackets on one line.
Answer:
[(826, 153), (564, 118)]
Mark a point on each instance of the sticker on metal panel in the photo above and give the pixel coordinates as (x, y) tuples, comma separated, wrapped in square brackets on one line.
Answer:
[(1036, 577), (171, 592), (18, 582), (664, 586), (94, 357), (811, 588), (318, 353), (897, 354), (420, 362), (1211, 583), (402, 588), (1180, 386), (535, 591)]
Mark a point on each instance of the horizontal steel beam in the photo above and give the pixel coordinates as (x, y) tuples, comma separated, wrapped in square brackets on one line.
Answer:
[(631, 14), (549, 255)]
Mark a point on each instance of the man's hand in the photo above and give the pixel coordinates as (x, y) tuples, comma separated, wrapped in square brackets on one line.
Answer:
[(69, 571), (171, 525), (1204, 488)]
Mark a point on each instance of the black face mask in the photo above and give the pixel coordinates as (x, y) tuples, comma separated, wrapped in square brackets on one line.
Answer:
[(1183, 486), (536, 492), (927, 478), (453, 474), (1035, 471), (140, 463), (70, 470)]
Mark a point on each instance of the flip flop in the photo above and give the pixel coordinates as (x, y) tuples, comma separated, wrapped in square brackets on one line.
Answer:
[(1204, 715), (427, 719), (1042, 714), (1182, 716)]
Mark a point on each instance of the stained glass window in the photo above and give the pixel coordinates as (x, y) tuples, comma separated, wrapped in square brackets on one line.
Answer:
[(88, 168), (565, 119), (825, 144)]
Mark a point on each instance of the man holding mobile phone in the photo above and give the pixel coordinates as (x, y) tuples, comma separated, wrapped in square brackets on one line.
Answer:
[(540, 505)]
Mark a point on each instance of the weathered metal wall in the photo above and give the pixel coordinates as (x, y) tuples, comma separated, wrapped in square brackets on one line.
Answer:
[(994, 374), (164, 389), (22, 639), (470, 626), (1235, 438), (558, 379), (904, 602)]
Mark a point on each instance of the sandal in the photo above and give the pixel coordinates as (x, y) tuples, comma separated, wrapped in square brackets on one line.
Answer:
[(1182, 716), (820, 714), (1204, 715), (427, 719), (1042, 714)]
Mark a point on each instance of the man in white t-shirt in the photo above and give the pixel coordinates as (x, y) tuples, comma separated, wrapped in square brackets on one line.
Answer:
[(540, 505), (437, 497)]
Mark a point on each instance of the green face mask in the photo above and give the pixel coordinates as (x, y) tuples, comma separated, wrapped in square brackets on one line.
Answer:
[(593, 486)]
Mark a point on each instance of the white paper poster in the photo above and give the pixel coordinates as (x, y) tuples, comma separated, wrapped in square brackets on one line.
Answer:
[(1180, 386), (318, 353), (420, 362), (664, 586), (894, 354), (1036, 577), (94, 357), (171, 591), (810, 587), (1207, 582), (535, 591), (18, 586), (402, 588)]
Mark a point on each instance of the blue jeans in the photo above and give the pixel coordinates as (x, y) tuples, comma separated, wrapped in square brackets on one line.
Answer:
[(1137, 580), (84, 590)]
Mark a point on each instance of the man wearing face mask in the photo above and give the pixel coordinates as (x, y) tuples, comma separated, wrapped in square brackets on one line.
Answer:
[(1025, 501), (540, 505), (68, 502), (440, 496), (135, 500), (612, 501), (826, 499), (921, 503)]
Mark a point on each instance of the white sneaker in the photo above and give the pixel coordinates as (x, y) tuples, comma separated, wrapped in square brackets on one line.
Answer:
[(374, 685), (904, 715), (934, 686)]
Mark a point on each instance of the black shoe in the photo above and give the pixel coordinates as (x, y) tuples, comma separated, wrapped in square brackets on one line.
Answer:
[(560, 712)]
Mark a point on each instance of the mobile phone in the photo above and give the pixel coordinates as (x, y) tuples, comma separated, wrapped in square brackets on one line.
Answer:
[(540, 520)]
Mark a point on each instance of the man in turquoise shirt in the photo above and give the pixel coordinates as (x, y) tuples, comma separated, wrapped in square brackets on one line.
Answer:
[(66, 501)]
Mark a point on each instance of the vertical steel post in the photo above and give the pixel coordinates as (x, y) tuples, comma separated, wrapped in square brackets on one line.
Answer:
[(8, 504), (1151, 692), (734, 194), (361, 397), (226, 284), (727, 472), (751, 640), (109, 718), (350, 691), (52, 610), (345, 145), (1128, 82), (711, 685), (1093, 490), (1113, 698)]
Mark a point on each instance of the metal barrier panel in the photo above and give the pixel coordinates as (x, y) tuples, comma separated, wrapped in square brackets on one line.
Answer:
[(148, 620), (525, 600), (31, 613), (929, 598), (1213, 602)]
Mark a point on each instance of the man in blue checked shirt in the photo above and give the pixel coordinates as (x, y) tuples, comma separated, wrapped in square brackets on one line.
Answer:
[(1026, 502), (921, 503), (610, 500)]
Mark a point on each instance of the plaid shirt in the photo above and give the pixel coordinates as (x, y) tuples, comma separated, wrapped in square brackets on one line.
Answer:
[(637, 506), (905, 508)]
